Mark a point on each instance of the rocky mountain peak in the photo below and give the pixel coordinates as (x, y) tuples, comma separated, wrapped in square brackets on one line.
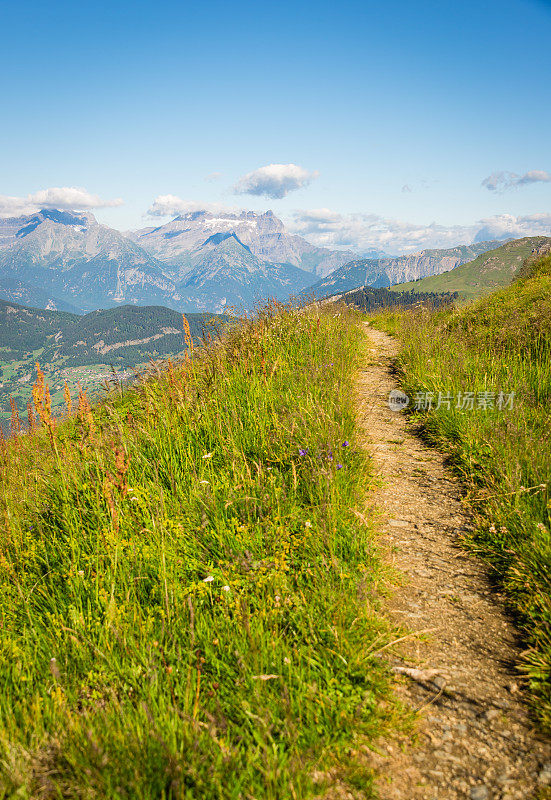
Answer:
[(51, 217), (217, 239), (262, 232)]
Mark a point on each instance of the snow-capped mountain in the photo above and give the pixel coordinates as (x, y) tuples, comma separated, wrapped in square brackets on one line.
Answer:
[(263, 234), (77, 262), (68, 261)]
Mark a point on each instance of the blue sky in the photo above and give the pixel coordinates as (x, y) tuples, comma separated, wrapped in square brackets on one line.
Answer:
[(395, 113)]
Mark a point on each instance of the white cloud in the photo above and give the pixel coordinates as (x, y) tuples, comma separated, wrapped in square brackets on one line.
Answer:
[(64, 198), (367, 232), (504, 226), (169, 205), (319, 216), (274, 181), (502, 181)]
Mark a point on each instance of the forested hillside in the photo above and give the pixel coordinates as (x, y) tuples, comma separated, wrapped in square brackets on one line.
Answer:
[(89, 348), (369, 299)]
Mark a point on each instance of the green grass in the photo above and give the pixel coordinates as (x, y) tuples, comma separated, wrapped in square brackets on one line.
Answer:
[(502, 343), (189, 604), (488, 272)]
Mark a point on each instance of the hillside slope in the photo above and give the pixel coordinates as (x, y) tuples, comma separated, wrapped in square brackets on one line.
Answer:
[(488, 272), (189, 580), (85, 348), (479, 382), (384, 272)]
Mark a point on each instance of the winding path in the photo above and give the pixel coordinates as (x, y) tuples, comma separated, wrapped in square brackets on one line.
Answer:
[(475, 738)]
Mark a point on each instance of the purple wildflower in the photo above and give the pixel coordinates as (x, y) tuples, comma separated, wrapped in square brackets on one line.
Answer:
[(339, 466), (345, 444), (303, 452)]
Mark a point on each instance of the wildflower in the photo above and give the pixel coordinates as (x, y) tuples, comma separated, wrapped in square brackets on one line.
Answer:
[(208, 455), (204, 482), (492, 529), (339, 466), (54, 669), (67, 398), (225, 588), (122, 465), (345, 444), (286, 660), (208, 579), (187, 333), (108, 494), (303, 452), (85, 411), (307, 524)]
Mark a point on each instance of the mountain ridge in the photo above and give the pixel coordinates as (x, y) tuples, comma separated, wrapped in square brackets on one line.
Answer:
[(68, 260), (264, 234), (491, 270), (385, 272)]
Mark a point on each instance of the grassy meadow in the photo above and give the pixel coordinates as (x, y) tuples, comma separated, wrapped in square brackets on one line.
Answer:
[(189, 588), (500, 344)]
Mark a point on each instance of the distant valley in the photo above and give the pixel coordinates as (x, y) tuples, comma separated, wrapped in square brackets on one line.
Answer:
[(88, 301), (90, 349)]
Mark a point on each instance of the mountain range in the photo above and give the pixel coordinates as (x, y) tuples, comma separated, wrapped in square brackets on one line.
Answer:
[(264, 234), (491, 270), (387, 271), (68, 261), (196, 263), (78, 264)]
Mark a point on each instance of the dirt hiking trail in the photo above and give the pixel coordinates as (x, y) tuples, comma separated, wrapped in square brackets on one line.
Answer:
[(475, 739)]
